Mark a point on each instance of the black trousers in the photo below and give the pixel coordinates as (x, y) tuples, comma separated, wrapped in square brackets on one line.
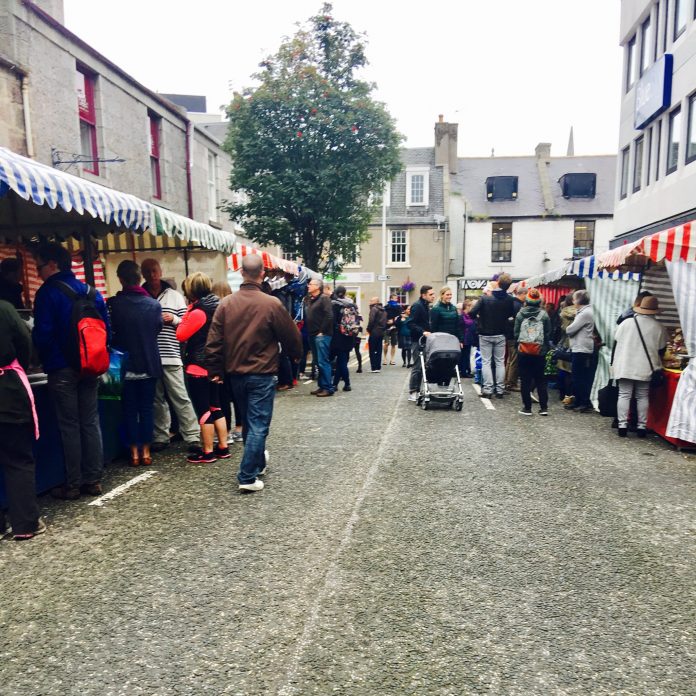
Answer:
[(375, 343), (531, 371), (17, 463)]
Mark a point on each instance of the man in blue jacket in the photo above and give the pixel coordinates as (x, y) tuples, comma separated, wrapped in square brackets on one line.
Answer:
[(74, 396)]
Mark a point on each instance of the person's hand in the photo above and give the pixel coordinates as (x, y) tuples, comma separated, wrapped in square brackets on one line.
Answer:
[(426, 333), (167, 318), (216, 380)]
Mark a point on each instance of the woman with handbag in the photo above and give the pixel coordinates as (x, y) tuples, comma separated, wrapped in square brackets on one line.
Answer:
[(639, 344)]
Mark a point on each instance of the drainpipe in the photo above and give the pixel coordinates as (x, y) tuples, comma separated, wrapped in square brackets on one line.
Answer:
[(189, 185), (27, 117)]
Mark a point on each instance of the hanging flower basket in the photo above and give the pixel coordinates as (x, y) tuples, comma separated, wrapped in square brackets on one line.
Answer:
[(408, 286)]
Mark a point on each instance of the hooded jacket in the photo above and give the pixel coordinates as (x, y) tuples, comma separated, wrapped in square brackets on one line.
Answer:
[(341, 341), (494, 313), (530, 311), (377, 323)]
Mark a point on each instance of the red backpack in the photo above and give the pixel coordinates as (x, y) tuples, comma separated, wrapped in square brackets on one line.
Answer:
[(86, 349)]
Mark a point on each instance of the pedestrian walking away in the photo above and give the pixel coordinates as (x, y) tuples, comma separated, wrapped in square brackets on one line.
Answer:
[(171, 387), (376, 328), (243, 347), (533, 335), (320, 325), (346, 327), (511, 370), (391, 337), (420, 326), (494, 313)]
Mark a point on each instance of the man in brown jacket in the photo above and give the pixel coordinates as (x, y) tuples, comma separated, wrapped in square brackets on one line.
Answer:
[(243, 347)]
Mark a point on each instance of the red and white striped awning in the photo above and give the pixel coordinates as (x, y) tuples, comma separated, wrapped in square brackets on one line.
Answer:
[(234, 261), (674, 244)]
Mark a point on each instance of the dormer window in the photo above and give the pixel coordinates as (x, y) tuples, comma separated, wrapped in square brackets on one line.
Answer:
[(501, 188), (580, 185), (417, 186)]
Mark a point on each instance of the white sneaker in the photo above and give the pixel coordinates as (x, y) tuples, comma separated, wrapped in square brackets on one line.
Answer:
[(251, 487), (263, 471), (413, 396)]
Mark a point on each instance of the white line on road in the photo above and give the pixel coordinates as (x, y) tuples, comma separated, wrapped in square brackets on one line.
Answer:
[(98, 502), (486, 402)]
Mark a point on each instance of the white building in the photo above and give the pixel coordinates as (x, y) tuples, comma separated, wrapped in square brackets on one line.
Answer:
[(656, 182)]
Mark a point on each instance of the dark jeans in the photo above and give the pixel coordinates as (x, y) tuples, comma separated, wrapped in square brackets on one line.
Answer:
[(531, 373), (342, 373), (17, 463), (358, 354), (583, 375), (75, 400), (465, 362), (414, 382), (137, 399), (285, 375), (254, 394), (375, 344), (322, 345)]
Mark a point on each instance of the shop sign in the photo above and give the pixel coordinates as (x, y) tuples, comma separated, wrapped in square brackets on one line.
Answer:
[(653, 92), (473, 283), (352, 278)]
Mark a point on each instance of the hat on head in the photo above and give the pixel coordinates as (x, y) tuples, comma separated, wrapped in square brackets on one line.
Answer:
[(648, 305), (533, 297)]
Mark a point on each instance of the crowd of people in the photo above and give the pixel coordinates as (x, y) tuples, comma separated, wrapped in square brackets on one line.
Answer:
[(211, 361)]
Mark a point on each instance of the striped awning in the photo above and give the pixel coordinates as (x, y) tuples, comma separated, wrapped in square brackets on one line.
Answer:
[(271, 262), (44, 185), (674, 244), (180, 227)]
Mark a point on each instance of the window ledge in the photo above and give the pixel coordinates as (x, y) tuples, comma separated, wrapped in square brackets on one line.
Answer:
[(398, 265), (215, 224)]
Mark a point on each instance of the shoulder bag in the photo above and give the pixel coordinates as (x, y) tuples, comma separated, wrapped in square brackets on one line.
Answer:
[(657, 377)]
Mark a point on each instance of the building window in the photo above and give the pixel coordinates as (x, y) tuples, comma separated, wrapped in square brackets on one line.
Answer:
[(679, 18), (673, 137), (658, 24), (691, 135), (658, 147), (648, 157), (398, 247), (624, 172), (646, 45), (212, 187), (353, 258), (631, 63), (638, 163), (85, 86), (501, 242), (583, 238), (401, 296), (155, 126), (501, 188), (417, 181)]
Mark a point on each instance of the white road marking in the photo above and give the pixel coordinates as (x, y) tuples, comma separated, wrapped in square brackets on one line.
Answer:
[(486, 402), (99, 502)]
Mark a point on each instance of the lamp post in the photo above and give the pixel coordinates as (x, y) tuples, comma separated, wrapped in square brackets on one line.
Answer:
[(384, 243)]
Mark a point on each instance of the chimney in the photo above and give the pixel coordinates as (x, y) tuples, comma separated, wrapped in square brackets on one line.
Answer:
[(54, 8), (543, 159), (446, 144)]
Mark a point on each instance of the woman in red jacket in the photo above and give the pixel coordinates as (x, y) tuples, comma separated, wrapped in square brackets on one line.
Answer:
[(204, 394)]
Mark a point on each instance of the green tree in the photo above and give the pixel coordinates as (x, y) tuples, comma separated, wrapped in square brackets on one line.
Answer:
[(311, 146)]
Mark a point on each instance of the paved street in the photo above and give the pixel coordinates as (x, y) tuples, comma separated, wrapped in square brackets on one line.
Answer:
[(394, 551)]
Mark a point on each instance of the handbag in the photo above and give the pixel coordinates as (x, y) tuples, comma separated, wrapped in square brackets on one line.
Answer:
[(657, 377), (608, 397)]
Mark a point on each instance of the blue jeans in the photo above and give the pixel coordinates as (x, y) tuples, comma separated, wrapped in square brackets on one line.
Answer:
[(342, 373), (583, 376), (322, 345), (138, 400), (254, 394)]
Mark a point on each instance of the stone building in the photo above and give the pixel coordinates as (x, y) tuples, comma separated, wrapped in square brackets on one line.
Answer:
[(64, 104)]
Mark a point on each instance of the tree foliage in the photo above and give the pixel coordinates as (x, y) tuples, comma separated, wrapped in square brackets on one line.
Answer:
[(310, 145)]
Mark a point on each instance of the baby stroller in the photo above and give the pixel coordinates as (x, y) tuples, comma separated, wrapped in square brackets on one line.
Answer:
[(440, 365)]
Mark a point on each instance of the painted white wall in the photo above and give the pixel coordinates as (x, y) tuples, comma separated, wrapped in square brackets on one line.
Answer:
[(530, 239)]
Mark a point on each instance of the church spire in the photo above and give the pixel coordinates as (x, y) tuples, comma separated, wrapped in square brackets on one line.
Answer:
[(571, 144)]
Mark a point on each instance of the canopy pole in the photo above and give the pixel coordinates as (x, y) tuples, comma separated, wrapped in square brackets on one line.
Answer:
[(88, 255), (186, 268)]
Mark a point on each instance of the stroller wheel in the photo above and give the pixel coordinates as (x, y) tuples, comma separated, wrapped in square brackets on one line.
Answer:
[(458, 406), (424, 405)]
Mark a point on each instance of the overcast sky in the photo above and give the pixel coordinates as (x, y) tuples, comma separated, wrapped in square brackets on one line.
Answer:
[(511, 73)]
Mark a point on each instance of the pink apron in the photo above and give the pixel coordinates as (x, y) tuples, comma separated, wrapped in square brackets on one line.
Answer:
[(14, 365)]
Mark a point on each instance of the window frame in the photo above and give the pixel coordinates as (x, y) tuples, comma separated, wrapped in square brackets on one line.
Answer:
[(645, 27), (658, 147), (648, 155), (212, 186), (631, 62), (673, 115), (406, 252), (587, 237), (155, 132), (691, 129), (88, 119), (401, 294), (505, 228), (625, 171), (678, 31), (410, 173), (638, 154)]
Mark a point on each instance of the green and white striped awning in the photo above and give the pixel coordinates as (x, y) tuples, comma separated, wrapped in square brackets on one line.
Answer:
[(180, 227)]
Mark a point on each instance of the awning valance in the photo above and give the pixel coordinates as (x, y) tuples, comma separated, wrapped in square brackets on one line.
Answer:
[(674, 244), (271, 262), (175, 225), (43, 185)]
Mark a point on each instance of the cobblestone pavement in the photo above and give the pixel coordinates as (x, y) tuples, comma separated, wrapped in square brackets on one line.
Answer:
[(394, 551)]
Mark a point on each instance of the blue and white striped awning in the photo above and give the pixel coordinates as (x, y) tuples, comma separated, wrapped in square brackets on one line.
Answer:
[(587, 268), (44, 185), (174, 225)]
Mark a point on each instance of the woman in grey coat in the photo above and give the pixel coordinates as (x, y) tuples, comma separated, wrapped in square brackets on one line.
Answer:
[(633, 364)]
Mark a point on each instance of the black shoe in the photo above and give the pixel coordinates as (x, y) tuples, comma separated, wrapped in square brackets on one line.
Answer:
[(499, 396), (570, 407), (641, 433), (585, 409), (359, 370), (91, 488), (622, 432), (158, 446), (486, 395), (66, 493), (347, 388)]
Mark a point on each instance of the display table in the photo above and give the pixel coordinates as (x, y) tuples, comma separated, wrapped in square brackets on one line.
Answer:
[(661, 399)]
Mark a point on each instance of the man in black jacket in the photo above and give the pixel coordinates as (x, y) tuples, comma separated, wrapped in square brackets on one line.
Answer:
[(320, 324), (494, 313), (420, 326)]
